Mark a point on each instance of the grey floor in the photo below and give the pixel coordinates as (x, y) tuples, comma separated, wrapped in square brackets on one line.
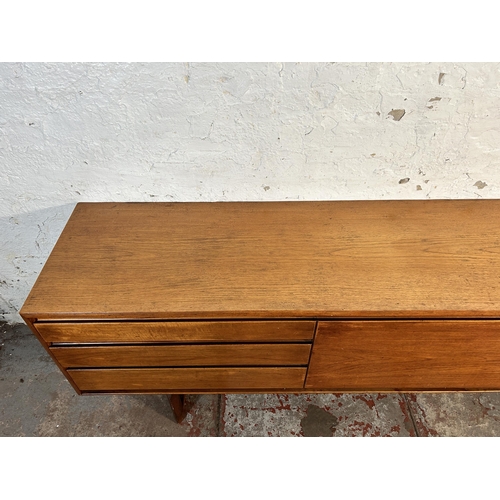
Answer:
[(36, 400)]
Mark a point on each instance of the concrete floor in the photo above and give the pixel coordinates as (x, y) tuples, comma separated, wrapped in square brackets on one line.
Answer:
[(36, 400)]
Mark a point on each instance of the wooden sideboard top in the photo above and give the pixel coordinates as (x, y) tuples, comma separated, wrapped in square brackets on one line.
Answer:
[(416, 259)]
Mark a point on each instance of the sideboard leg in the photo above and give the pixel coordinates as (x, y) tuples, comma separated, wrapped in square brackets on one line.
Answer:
[(178, 406)]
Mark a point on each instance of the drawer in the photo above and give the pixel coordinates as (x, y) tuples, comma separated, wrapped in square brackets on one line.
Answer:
[(426, 355), (172, 331), (188, 379), (184, 355)]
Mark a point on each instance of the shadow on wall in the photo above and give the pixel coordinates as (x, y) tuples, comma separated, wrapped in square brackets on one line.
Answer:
[(27, 240)]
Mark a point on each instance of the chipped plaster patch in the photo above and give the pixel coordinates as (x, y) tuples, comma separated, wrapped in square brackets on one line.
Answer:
[(397, 114)]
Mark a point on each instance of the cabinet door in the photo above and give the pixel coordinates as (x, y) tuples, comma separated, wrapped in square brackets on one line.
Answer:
[(404, 355)]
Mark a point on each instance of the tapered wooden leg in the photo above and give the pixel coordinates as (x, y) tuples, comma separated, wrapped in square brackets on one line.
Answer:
[(178, 406)]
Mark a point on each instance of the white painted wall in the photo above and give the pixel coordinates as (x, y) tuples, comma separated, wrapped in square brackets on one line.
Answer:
[(214, 132)]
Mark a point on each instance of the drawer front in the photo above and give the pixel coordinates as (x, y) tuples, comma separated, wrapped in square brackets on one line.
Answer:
[(182, 331), (184, 355), (203, 379), (427, 355)]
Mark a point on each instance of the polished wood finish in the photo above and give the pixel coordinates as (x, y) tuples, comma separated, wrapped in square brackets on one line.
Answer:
[(229, 297), (51, 354), (413, 258), (167, 379), (405, 356), (184, 355), (192, 331)]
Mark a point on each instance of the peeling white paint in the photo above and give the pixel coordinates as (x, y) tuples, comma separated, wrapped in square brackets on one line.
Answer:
[(219, 132)]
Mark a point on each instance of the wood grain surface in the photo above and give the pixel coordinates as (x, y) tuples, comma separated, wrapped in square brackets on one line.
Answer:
[(415, 258), (184, 331), (405, 356), (187, 378), (184, 355)]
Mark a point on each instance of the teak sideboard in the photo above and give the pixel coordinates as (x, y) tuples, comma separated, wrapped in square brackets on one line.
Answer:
[(328, 296)]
